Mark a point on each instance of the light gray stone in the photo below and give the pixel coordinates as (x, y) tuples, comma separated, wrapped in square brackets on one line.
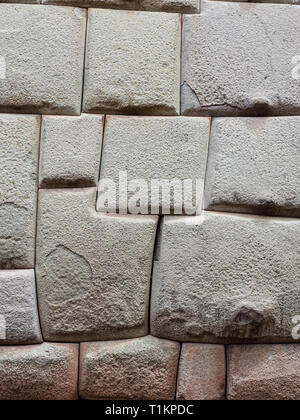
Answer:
[(141, 369), (93, 270), (254, 166), (42, 372), (43, 48), (132, 63), (226, 279), (177, 6), (70, 151), (18, 308), (238, 60), (19, 146), (154, 152)]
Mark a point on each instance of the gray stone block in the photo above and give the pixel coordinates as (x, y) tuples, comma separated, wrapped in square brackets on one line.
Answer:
[(132, 63), (70, 151), (226, 279), (238, 60), (19, 149), (19, 317), (154, 154), (253, 166), (43, 48), (93, 270)]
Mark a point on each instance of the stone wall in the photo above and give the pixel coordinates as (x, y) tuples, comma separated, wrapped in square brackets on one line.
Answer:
[(149, 200)]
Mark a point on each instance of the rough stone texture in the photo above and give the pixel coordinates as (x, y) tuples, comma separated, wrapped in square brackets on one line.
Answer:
[(44, 67), (93, 270), (226, 279), (202, 372), (237, 60), (70, 151), (18, 308), (253, 166), (19, 145), (265, 372), (180, 6), (42, 372), (132, 63), (164, 149), (143, 369)]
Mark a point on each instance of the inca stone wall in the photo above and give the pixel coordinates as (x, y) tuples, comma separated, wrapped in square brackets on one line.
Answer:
[(149, 200)]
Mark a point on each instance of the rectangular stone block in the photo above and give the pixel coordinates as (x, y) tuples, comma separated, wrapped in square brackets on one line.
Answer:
[(18, 308), (254, 166), (226, 279), (70, 151), (19, 150), (153, 165), (202, 372), (240, 59), (44, 67), (93, 270), (41, 372), (132, 63), (177, 6), (139, 369), (264, 372)]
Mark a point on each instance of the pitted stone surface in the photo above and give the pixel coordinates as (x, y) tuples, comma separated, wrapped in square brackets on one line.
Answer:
[(41, 372), (202, 372), (226, 279), (70, 151), (265, 372), (143, 368), (237, 60), (93, 270), (155, 149), (132, 63), (18, 308), (44, 67), (254, 166), (19, 145), (178, 6)]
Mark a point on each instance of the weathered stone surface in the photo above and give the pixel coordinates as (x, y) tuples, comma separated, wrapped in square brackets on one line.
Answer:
[(41, 372), (19, 145), (237, 60), (132, 63), (154, 152), (44, 67), (177, 6), (202, 372), (93, 270), (226, 279), (143, 369), (264, 372), (70, 151), (253, 166), (18, 308)]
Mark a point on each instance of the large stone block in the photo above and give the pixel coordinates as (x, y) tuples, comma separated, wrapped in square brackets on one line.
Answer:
[(70, 151), (132, 63), (226, 279), (42, 372), (202, 372), (141, 369), (44, 66), (238, 59), (93, 270), (19, 150), (264, 372), (18, 308), (178, 6), (254, 166), (153, 155)]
